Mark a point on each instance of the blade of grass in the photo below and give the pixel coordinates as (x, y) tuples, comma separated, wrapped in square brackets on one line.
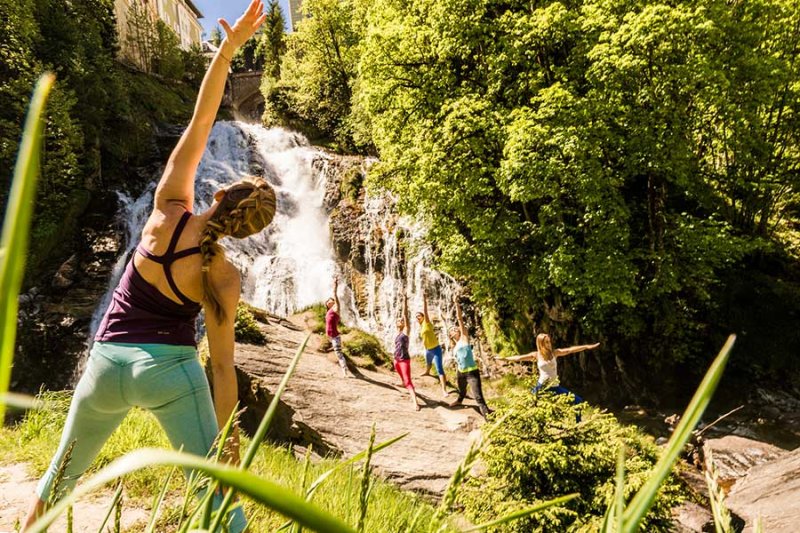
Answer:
[(261, 432), (21, 401), (151, 527), (358, 457), (619, 501), (363, 499), (716, 497), (16, 226), (261, 490), (516, 515), (644, 498), (114, 500)]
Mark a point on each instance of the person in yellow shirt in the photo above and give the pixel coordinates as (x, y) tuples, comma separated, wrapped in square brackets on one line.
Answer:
[(433, 350)]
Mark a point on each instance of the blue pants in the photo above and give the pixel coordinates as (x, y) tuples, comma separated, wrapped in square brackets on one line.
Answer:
[(167, 380), (558, 389), (434, 356)]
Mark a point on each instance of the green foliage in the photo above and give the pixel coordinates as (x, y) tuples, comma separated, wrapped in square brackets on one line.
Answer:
[(352, 183), (100, 116), (246, 328), (272, 42), (595, 163), (216, 36), (363, 348), (194, 65), (15, 231), (536, 451), (320, 67), (168, 59)]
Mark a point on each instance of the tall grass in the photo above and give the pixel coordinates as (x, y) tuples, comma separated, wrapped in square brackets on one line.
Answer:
[(16, 229), (627, 519)]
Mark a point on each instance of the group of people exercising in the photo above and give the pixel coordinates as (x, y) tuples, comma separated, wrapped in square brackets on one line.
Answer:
[(467, 371), (145, 352)]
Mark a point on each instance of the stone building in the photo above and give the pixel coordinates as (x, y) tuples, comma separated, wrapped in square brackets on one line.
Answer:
[(182, 16), (295, 13)]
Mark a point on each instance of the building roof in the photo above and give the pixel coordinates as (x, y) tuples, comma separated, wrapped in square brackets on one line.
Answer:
[(193, 7)]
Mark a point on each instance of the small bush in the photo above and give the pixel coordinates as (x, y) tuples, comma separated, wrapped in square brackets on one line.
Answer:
[(365, 349), (536, 451), (352, 183), (246, 328)]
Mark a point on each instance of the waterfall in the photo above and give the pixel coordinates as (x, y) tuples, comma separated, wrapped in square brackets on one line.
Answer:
[(290, 265), (392, 273)]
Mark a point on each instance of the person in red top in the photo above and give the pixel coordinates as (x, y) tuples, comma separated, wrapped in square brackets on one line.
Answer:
[(332, 325)]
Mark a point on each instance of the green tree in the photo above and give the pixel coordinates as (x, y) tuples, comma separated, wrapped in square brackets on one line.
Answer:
[(272, 43), (320, 66), (536, 451), (141, 37), (216, 36), (588, 168), (246, 59), (168, 58)]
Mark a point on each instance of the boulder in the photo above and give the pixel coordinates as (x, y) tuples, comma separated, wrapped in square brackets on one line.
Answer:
[(734, 456), (770, 491)]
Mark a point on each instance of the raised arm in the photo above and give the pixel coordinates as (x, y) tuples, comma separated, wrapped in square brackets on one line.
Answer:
[(406, 316), (336, 306), (532, 356), (561, 352), (225, 279), (425, 307), (460, 318), (177, 183)]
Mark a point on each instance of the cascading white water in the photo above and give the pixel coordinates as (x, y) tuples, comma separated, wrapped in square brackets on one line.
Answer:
[(400, 275), (291, 265)]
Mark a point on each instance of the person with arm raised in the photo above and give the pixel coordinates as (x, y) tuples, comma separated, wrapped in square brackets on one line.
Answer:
[(145, 350), (466, 368), (433, 350), (332, 319), (402, 359), (546, 358)]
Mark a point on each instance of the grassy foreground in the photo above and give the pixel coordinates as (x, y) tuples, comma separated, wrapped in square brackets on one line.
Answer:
[(34, 440)]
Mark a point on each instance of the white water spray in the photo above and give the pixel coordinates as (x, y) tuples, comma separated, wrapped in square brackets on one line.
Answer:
[(290, 266)]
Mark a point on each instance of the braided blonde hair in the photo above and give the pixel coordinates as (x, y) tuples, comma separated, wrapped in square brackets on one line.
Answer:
[(246, 208)]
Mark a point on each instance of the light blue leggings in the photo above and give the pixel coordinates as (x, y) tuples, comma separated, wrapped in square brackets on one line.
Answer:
[(167, 380)]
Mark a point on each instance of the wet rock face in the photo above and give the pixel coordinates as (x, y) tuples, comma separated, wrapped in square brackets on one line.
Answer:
[(54, 320), (344, 195)]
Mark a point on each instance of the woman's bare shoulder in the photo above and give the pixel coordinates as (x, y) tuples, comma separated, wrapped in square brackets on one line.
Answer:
[(224, 274)]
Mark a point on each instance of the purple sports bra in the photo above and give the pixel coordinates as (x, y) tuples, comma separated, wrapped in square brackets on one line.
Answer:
[(140, 314)]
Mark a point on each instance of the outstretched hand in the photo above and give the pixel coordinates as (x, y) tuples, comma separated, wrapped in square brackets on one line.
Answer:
[(246, 25), (593, 346)]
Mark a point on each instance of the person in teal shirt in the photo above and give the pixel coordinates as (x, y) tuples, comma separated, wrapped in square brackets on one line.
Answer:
[(467, 369)]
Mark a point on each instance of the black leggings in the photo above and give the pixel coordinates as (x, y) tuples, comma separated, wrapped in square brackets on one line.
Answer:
[(473, 377)]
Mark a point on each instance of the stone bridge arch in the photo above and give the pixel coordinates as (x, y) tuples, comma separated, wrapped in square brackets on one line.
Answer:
[(243, 96)]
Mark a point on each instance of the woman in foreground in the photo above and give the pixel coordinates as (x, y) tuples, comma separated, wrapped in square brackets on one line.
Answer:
[(145, 351)]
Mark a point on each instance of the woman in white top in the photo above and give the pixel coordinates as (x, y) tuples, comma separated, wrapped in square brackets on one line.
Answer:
[(547, 362)]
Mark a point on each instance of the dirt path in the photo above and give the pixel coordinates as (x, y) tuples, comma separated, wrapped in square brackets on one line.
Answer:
[(337, 413), (17, 486)]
